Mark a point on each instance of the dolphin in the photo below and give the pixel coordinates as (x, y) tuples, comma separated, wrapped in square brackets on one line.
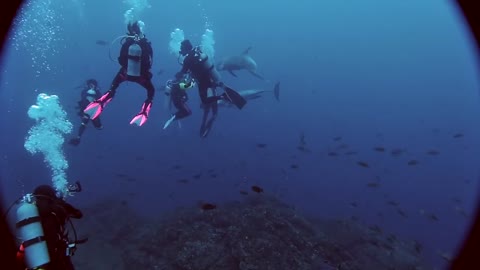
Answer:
[(251, 94), (239, 62)]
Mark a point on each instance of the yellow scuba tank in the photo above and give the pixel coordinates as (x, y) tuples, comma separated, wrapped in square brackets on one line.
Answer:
[(134, 60), (30, 231)]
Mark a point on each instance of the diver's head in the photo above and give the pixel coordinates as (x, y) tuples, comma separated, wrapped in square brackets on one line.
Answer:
[(185, 47), (186, 82), (92, 84), (135, 28), (45, 191)]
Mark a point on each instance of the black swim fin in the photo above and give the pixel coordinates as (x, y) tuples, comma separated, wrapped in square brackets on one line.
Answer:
[(234, 97), (276, 91)]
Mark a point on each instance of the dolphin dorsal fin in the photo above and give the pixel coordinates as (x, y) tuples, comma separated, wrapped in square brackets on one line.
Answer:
[(246, 51)]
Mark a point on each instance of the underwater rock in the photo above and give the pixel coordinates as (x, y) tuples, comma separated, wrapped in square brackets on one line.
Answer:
[(261, 232)]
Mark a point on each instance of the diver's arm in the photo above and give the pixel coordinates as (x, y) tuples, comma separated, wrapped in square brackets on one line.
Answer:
[(98, 93), (150, 53), (185, 68), (72, 211)]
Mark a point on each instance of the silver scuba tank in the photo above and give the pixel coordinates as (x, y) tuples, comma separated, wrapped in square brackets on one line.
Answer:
[(30, 230), (134, 60)]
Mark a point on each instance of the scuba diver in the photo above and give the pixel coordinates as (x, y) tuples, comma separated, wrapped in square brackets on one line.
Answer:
[(177, 90), (41, 220), (90, 93), (207, 77), (136, 56)]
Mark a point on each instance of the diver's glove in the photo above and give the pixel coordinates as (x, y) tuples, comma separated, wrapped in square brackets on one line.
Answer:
[(219, 84)]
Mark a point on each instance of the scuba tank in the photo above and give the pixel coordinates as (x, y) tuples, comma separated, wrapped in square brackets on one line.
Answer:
[(134, 62), (207, 65), (30, 231)]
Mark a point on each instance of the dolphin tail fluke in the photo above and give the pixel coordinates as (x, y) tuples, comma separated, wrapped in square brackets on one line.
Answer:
[(276, 91)]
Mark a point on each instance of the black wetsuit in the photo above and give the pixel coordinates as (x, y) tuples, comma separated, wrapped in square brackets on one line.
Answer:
[(85, 98), (145, 78), (179, 99), (54, 214), (206, 76)]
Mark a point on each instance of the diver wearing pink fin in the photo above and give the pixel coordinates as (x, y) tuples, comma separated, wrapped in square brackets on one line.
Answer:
[(135, 59)]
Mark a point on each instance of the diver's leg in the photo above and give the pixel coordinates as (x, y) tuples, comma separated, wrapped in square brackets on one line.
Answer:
[(183, 110), (206, 109), (95, 108), (81, 129), (142, 116)]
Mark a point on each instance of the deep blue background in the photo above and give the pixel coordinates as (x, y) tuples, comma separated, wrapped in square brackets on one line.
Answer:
[(377, 73)]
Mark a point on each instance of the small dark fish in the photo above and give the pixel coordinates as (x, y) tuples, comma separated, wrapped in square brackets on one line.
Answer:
[(294, 166), (338, 138), (379, 149), (121, 175), (380, 214), (376, 228), (208, 206), (261, 145), (393, 203), (101, 42), (412, 162), (402, 213), (397, 152), (211, 170), (243, 192), (418, 247), (363, 164), (177, 167), (182, 181), (123, 202), (432, 217), (354, 204), (160, 72), (197, 176), (391, 238), (303, 149), (213, 175), (342, 146), (257, 189), (458, 135), (351, 153), (131, 179), (373, 184), (332, 154), (433, 152)]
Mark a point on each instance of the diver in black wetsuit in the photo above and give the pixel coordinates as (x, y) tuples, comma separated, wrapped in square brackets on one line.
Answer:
[(89, 93), (54, 214), (177, 90), (206, 76), (136, 56)]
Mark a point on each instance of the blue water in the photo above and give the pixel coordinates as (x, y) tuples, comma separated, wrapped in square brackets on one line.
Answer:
[(376, 73)]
